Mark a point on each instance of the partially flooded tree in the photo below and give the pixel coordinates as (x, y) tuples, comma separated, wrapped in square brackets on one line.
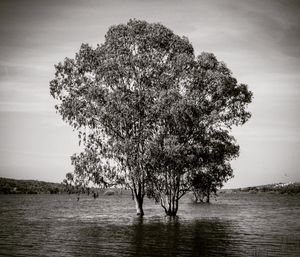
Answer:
[(147, 111), (74, 184), (194, 128), (111, 95), (228, 104), (216, 168), (209, 180)]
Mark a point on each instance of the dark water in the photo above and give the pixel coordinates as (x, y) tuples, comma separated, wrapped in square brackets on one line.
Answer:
[(235, 225)]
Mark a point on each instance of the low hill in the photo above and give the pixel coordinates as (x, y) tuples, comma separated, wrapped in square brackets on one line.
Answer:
[(16, 186), (282, 188)]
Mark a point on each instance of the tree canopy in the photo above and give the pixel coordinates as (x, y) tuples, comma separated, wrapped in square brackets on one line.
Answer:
[(149, 113)]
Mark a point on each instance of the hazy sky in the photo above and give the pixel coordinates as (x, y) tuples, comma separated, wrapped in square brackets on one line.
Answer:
[(259, 40)]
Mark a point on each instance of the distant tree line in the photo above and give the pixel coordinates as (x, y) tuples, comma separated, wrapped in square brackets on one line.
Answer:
[(14, 186), (281, 188)]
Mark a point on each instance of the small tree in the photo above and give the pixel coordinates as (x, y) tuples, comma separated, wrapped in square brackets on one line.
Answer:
[(208, 181), (216, 169), (74, 184)]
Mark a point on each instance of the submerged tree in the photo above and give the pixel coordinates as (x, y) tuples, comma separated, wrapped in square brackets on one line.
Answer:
[(74, 184), (216, 168), (207, 181), (150, 114), (194, 130), (111, 95)]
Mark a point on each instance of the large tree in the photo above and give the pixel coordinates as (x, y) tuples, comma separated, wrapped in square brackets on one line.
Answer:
[(195, 129), (150, 114), (111, 94)]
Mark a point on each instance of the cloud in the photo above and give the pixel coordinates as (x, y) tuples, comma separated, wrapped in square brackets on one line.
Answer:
[(258, 40)]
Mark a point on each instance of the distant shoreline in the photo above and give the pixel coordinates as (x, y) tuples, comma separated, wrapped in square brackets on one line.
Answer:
[(281, 188), (19, 186)]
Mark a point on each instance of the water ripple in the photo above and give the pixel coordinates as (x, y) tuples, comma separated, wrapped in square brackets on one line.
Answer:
[(235, 225)]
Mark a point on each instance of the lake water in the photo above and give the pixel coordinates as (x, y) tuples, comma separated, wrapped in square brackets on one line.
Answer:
[(234, 225)]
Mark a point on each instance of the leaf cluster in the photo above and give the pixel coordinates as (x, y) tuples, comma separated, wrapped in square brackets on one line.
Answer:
[(148, 110)]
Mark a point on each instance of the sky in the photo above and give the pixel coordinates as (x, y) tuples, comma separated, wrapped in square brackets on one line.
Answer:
[(257, 39)]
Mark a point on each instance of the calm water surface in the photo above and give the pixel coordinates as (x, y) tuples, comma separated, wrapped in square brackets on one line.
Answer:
[(234, 225)]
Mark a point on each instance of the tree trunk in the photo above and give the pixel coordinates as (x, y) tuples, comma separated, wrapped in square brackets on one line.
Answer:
[(138, 195), (208, 194), (172, 207), (171, 211), (139, 205)]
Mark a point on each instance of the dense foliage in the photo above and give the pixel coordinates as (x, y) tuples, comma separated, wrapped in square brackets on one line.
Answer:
[(194, 136), (150, 115), (208, 181)]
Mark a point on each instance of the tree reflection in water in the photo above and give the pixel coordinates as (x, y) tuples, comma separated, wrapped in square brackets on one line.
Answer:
[(238, 225), (181, 238), (170, 237)]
